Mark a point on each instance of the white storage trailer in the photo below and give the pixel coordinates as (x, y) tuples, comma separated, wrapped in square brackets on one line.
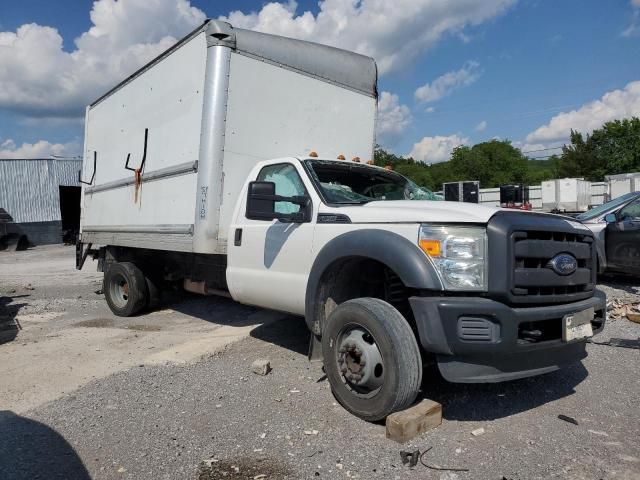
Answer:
[(167, 150), (566, 195), (622, 184)]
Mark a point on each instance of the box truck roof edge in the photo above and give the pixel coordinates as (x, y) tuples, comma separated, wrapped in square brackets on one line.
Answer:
[(342, 67)]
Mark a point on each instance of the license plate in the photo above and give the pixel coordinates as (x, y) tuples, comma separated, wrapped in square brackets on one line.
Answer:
[(577, 326)]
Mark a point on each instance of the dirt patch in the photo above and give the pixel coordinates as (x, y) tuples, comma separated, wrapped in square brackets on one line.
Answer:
[(244, 468), (143, 328), (97, 323), (110, 323)]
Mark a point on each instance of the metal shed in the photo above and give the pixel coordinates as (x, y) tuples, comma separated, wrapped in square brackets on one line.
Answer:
[(42, 196)]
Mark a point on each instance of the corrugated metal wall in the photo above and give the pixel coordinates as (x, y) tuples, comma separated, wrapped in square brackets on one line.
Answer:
[(29, 188)]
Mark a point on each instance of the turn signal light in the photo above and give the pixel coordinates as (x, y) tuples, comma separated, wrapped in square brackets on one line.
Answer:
[(431, 247)]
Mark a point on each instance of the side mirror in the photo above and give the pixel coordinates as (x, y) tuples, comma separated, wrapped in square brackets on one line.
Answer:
[(610, 218), (261, 204)]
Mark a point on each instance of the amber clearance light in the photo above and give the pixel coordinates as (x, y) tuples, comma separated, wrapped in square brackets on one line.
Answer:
[(431, 247)]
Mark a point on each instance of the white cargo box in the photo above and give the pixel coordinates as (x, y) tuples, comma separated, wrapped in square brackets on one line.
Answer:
[(566, 195), (623, 183), (167, 151)]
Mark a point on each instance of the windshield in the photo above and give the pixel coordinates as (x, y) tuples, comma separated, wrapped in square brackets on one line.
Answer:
[(606, 207), (352, 183)]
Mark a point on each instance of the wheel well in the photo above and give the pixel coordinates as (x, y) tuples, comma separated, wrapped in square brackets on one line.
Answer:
[(357, 277)]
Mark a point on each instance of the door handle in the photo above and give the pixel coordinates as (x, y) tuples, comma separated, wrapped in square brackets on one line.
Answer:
[(237, 238)]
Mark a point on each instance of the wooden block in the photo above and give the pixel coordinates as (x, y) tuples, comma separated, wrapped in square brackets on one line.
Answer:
[(405, 425)]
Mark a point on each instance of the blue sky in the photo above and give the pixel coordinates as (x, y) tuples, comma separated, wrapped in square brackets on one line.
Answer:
[(523, 70)]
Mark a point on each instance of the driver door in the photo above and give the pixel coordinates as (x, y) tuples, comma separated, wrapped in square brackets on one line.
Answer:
[(269, 260), (622, 239)]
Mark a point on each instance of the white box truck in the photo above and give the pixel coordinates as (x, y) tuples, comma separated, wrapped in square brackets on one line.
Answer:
[(570, 195), (197, 173)]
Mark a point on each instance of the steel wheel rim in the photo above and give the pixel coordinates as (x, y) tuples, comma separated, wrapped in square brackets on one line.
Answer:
[(359, 361), (119, 290)]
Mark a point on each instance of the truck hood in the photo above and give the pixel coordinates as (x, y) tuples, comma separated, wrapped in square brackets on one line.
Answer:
[(410, 211)]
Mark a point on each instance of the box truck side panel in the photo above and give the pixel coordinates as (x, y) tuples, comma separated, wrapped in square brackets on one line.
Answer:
[(165, 100), (273, 112)]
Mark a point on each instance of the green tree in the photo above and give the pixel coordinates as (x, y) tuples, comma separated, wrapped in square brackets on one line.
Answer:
[(614, 148), (494, 163)]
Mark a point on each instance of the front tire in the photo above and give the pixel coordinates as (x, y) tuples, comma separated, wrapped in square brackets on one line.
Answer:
[(125, 289), (371, 358)]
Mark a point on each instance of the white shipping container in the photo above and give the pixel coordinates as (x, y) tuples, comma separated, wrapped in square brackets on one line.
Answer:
[(623, 183), (566, 195), (170, 147)]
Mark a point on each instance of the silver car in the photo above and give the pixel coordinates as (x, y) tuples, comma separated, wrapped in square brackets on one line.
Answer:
[(599, 218)]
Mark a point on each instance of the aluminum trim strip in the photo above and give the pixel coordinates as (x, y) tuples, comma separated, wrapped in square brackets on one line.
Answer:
[(164, 229), (174, 171)]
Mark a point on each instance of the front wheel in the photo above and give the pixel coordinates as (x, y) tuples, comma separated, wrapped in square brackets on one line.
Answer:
[(371, 358)]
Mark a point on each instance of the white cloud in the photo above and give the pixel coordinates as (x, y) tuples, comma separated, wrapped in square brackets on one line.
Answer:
[(40, 149), (617, 104), (447, 83), (635, 3), (481, 127), (633, 29), (394, 33), (393, 118), (39, 78), (436, 149), (430, 109)]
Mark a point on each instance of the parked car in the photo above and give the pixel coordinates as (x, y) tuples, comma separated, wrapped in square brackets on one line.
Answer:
[(616, 228)]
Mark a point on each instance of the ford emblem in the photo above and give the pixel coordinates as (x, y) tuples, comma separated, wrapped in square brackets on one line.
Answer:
[(563, 264)]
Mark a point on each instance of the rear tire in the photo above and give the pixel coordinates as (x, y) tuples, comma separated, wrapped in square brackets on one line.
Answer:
[(125, 289), (371, 358)]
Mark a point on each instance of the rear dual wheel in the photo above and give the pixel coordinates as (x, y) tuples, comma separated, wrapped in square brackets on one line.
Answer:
[(127, 289), (371, 358)]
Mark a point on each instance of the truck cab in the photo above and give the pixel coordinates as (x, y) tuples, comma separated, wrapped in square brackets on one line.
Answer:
[(387, 280)]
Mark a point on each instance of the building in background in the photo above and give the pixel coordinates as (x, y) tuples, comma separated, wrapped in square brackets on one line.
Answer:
[(42, 196)]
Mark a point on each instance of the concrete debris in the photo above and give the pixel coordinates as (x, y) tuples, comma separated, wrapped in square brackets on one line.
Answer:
[(477, 432), (407, 424), (311, 432), (28, 286), (261, 367), (618, 308)]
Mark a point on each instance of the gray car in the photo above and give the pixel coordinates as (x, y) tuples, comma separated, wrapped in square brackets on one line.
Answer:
[(615, 228)]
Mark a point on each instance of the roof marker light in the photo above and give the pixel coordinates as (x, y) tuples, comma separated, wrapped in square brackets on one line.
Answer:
[(313, 154), (341, 157), (356, 159)]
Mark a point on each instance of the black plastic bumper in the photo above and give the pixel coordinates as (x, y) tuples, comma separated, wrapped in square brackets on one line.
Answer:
[(449, 326)]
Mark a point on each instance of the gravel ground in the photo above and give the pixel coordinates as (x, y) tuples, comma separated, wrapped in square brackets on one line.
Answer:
[(164, 421), (214, 419)]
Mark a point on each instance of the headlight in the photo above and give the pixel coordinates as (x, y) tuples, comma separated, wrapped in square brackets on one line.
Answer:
[(459, 255)]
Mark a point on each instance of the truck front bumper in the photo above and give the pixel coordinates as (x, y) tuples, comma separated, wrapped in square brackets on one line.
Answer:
[(477, 340)]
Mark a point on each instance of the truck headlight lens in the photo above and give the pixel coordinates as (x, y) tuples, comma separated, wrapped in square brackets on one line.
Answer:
[(459, 255)]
